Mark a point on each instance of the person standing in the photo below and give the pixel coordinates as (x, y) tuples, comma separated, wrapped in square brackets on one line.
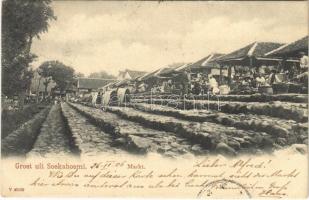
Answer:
[(260, 80), (213, 85), (304, 62), (99, 98), (185, 80), (273, 78)]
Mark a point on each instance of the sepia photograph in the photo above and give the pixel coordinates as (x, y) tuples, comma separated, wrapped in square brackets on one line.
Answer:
[(167, 99)]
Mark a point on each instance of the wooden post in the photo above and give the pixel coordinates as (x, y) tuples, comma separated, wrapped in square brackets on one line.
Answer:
[(208, 100), (283, 64), (251, 62), (184, 101), (220, 79), (229, 74)]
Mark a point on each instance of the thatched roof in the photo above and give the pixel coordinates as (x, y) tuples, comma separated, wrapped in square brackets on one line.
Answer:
[(166, 70), (183, 67), (135, 74), (92, 83), (172, 69), (292, 49), (120, 83), (112, 84), (148, 75), (132, 73), (256, 49), (206, 61), (159, 71)]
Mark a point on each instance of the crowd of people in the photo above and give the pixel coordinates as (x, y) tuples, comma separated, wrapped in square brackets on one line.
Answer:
[(239, 80), (242, 80)]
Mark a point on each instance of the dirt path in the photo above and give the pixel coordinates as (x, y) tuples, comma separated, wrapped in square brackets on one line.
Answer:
[(89, 139), (54, 137), (140, 137)]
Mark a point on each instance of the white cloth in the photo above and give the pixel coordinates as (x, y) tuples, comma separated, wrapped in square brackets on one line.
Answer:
[(262, 69), (213, 83), (304, 62), (94, 97), (260, 79)]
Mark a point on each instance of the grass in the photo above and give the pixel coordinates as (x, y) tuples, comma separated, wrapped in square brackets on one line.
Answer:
[(13, 119)]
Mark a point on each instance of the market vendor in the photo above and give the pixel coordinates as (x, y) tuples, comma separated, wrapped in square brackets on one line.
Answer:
[(99, 98), (273, 78), (260, 80), (184, 79), (247, 81), (196, 89), (262, 69), (304, 62), (213, 85)]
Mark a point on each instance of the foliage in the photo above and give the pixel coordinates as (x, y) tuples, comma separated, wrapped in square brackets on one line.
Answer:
[(60, 73), (21, 21), (11, 120), (44, 72), (101, 74), (79, 75)]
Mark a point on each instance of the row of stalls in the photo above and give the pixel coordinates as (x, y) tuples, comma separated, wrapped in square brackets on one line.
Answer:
[(268, 67), (260, 67)]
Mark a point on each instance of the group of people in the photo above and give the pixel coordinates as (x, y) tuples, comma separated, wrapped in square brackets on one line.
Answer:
[(182, 83), (240, 78)]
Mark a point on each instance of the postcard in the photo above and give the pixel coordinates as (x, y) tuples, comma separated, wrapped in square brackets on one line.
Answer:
[(154, 99)]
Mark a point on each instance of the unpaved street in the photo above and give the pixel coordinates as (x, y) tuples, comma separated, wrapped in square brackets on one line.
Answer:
[(142, 128)]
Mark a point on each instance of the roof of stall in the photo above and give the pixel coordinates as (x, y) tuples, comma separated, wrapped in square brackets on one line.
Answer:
[(132, 73), (256, 49), (206, 61), (147, 75), (291, 49), (172, 68), (108, 85), (92, 83), (183, 67), (122, 82)]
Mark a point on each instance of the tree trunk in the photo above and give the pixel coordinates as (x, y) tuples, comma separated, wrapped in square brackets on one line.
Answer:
[(22, 94), (46, 86), (29, 45), (45, 91), (221, 75), (38, 90), (21, 101)]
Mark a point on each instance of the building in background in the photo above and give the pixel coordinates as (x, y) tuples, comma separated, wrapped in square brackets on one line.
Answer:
[(88, 85), (129, 74)]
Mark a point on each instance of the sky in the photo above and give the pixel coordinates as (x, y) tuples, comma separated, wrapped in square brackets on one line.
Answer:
[(91, 36)]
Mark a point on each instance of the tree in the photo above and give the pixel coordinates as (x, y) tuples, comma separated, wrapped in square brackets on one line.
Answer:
[(101, 74), (44, 71), (21, 21), (60, 73), (79, 75)]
